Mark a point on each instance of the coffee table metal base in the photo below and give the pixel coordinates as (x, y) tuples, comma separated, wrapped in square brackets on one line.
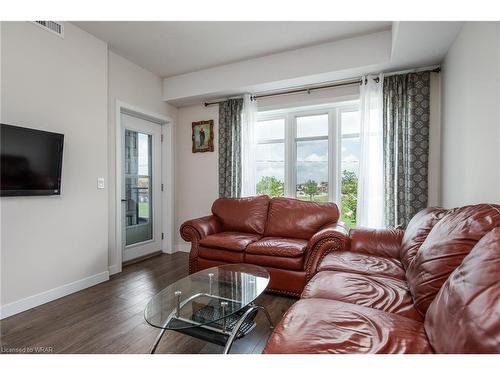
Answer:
[(230, 335)]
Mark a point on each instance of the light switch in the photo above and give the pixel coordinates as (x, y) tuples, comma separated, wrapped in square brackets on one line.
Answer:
[(100, 182)]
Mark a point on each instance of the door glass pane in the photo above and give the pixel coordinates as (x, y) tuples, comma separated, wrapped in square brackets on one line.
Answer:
[(312, 126), (312, 170), (138, 212), (270, 169), (350, 129)]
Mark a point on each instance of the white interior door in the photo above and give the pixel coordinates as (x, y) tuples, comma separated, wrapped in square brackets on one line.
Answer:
[(141, 187)]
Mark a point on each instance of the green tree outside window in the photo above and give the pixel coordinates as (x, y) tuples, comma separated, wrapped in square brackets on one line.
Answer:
[(270, 185), (349, 198), (311, 188)]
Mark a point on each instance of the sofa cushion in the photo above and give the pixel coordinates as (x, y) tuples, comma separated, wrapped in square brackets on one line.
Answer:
[(232, 241), (226, 256), (326, 326), (364, 264), (280, 247), (286, 263), (417, 231), (292, 218), (465, 315), (381, 293), (242, 214), (444, 249)]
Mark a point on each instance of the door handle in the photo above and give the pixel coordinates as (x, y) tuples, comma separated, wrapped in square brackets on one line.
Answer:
[(124, 200)]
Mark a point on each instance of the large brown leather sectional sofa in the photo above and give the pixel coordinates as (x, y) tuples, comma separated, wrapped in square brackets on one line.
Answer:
[(286, 236), (434, 288)]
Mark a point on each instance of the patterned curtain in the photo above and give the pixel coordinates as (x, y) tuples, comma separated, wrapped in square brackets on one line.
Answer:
[(230, 148), (406, 146)]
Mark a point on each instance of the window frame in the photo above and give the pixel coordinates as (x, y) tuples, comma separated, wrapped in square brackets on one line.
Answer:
[(290, 141)]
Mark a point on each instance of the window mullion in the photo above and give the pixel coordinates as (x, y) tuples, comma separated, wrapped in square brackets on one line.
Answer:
[(270, 142), (336, 156), (331, 150), (317, 138), (289, 156)]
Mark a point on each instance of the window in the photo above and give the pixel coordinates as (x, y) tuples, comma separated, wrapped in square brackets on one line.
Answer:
[(270, 157), (312, 158), (310, 154), (350, 155)]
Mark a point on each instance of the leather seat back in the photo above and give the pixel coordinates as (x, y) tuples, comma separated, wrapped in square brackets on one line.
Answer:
[(417, 231), (444, 249), (246, 215), (293, 218), (465, 315)]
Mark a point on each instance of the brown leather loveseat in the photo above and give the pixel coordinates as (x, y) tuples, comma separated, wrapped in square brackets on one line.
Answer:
[(434, 288), (288, 237)]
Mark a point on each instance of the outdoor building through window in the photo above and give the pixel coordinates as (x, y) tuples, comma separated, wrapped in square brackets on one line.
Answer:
[(310, 153)]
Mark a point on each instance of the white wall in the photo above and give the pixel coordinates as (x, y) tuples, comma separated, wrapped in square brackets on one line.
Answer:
[(140, 88), (331, 61), (52, 246), (196, 175), (471, 117), (58, 85)]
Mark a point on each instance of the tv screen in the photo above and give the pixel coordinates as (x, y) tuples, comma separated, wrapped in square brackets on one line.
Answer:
[(31, 161)]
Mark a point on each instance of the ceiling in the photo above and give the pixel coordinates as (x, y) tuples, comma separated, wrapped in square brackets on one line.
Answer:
[(173, 48)]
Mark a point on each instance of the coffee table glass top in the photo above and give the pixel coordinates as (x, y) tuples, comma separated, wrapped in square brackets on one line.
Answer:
[(206, 296)]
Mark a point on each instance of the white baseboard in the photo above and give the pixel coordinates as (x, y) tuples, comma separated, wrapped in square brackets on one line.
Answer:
[(184, 247), (113, 269), (50, 295)]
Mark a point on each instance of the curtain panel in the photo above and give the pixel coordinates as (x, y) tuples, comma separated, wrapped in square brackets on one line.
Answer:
[(406, 145), (248, 170), (230, 113), (370, 206)]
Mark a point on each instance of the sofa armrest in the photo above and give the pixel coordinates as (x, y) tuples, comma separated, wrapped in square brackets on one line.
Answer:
[(331, 237), (197, 229), (377, 242)]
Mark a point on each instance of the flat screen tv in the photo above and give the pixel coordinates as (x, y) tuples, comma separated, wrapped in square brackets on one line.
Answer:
[(31, 161)]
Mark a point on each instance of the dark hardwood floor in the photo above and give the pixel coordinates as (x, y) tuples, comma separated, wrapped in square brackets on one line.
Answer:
[(108, 318)]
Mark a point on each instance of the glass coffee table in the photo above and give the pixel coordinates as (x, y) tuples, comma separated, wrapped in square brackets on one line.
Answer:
[(216, 304)]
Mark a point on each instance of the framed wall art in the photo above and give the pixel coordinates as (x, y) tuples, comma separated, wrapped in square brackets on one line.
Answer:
[(203, 136)]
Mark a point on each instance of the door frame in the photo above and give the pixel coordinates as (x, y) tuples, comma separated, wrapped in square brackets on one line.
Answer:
[(167, 175)]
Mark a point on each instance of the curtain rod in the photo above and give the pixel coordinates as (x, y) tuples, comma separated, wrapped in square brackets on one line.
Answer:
[(428, 69), (305, 89), (221, 100), (351, 82), (214, 103), (324, 86)]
